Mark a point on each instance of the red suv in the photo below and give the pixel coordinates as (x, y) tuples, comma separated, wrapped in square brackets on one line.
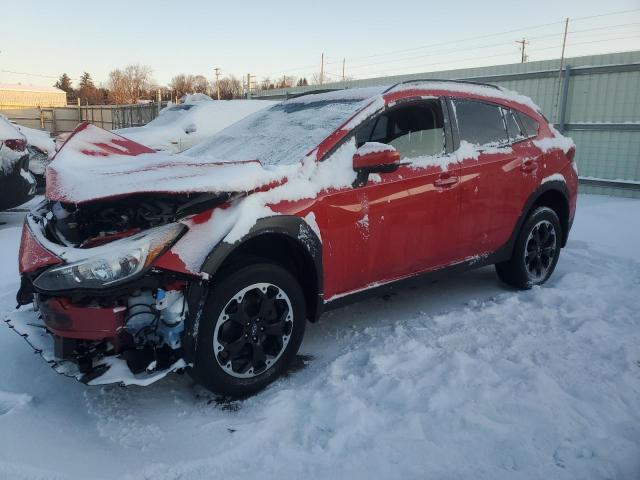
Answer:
[(143, 262)]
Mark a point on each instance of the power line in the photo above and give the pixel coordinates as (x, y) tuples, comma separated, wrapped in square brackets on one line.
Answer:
[(466, 39)]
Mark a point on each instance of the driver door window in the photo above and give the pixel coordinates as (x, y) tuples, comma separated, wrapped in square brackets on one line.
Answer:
[(415, 130)]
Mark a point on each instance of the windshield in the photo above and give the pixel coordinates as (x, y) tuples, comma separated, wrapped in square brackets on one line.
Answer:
[(282, 134)]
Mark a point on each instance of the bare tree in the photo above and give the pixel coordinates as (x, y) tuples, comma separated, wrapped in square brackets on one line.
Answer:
[(286, 82), (230, 87), (129, 84), (266, 84), (182, 84), (315, 79), (201, 84)]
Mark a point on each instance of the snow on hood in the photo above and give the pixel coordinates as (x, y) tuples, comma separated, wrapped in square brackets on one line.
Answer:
[(96, 164)]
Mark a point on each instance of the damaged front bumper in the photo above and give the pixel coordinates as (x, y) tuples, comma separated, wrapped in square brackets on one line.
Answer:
[(99, 368), (131, 332)]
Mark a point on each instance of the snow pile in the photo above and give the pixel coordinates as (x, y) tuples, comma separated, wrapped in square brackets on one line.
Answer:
[(456, 379), (195, 97), (558, 141), (182, 126)]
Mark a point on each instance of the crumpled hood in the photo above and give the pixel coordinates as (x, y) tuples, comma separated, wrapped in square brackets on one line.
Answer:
[(97, 164)]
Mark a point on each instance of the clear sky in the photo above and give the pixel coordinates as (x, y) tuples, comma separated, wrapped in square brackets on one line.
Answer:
[(271, 38)]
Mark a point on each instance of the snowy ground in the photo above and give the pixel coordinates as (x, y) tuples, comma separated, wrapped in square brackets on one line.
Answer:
[(458, 379)]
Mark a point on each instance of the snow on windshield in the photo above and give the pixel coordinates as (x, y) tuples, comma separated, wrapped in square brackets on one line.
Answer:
[(282, 134)]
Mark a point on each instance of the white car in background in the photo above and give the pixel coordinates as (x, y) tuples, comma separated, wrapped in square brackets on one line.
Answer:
[(181, 126)]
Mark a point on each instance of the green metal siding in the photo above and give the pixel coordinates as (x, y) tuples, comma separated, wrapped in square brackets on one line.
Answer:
[(595, 100)]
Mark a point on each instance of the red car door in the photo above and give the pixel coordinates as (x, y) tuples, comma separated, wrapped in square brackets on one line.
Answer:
[(399, 223), (491, 183)]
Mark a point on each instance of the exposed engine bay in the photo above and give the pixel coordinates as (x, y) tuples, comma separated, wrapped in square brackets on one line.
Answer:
[(139, 322), (91, 224)]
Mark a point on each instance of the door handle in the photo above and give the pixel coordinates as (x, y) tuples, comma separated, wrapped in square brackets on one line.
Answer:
[(529, 165), (446, 181)]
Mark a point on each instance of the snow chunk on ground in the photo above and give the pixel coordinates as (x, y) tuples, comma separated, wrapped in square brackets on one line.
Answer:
[(12, 401)]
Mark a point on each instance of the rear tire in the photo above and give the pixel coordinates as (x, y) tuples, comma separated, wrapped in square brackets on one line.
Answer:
[(251, 329), (536, 251)]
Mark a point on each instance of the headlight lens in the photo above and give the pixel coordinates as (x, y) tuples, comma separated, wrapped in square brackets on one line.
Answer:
[(112, 263)]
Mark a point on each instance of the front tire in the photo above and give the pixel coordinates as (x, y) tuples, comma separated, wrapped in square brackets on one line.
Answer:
[(251, 329), (536, 251)]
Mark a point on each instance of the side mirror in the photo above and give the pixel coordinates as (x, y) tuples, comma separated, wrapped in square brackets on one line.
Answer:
[(374, 157), (191, 128)]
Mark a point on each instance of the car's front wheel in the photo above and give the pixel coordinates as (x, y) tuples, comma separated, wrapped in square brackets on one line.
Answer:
[(536, 251), (251, 329)]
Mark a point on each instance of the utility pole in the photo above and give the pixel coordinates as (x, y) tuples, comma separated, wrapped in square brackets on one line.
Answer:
[(343, 62), (523, 43), (217, 70), (321, 68), (249, 80), (564, 44)]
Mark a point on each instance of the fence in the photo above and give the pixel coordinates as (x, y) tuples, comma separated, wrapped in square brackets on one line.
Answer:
[(593, 99), (65, 119)]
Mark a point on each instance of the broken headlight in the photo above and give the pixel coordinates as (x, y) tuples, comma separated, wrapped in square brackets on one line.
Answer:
[(112, 263)]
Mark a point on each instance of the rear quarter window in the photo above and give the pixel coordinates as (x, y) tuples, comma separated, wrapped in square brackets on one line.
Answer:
[(480, 123), (530, 125)]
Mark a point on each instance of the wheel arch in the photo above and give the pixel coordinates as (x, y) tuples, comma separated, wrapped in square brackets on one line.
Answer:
[(283, 239), (553, 194)]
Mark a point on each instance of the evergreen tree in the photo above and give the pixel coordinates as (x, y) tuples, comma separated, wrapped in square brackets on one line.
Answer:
[(64, 83), (86, 82)]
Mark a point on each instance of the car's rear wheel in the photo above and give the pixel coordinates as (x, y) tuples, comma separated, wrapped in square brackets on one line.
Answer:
[(252, 327), (535, 252)]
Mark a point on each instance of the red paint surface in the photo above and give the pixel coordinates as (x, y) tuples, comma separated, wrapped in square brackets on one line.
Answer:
[(32, 255), (78, 321)]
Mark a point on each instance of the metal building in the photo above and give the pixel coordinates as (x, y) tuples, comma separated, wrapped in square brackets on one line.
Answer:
[(593, 99), (13, 96)]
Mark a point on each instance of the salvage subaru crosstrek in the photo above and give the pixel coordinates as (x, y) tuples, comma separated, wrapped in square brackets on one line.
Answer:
[(141, 262)]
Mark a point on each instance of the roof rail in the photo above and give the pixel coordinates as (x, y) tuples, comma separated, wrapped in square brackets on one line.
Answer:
[(311, 92), (417, 80)]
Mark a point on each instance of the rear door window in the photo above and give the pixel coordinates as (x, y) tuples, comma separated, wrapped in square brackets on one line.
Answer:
[(513, 127), (480, 123)]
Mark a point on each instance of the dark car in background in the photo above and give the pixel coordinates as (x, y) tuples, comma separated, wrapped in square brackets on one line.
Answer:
[(17, 184)]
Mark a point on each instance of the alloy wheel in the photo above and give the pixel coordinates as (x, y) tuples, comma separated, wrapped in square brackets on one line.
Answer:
[(540, 250), (253, 330)]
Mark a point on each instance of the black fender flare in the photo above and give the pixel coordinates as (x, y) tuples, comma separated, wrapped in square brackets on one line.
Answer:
[(552, 185), (290, 227)]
